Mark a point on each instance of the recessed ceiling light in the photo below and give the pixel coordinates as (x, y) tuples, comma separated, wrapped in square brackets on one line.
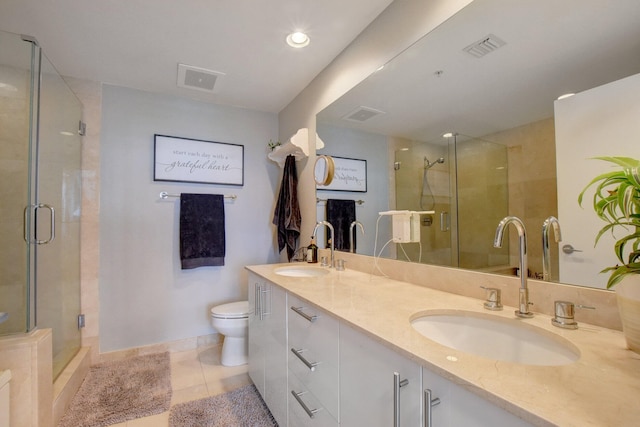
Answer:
[(297, 39), (566, 95), (66, 133), (448, 135)]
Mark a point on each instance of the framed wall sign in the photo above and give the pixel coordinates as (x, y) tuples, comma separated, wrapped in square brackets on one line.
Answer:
[(194, 160), (348, 175)]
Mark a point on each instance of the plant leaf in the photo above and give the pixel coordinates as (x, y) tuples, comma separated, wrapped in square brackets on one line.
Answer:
[(619, 272)]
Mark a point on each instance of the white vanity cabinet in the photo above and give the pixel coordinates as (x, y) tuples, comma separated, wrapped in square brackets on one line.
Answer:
[(314, 369), (378, 387), (313, 361), (460, 407), (268, 344)]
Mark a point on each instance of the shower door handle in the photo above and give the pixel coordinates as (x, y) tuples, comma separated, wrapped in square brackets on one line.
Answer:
[(27, 229), (445, 221)]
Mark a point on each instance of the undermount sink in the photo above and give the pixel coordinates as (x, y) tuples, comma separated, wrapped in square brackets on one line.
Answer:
[(301, 271), (495, 337)]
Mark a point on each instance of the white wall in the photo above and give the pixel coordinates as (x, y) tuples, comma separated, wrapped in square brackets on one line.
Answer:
[(145, 297), (603, 121)]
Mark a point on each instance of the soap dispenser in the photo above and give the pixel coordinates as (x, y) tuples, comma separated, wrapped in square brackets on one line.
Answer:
[(312, 251)]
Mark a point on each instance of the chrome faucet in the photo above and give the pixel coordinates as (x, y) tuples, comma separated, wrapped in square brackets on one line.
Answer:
[(523, 309), (353, 224), (330, 227), (552, 221)]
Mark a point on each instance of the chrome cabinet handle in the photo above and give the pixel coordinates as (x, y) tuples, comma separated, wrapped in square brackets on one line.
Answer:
[(264, 292), (310, 365), (428, 404), (310, 412), (257, 293), (310, 318), (27, 231), (397, 383)]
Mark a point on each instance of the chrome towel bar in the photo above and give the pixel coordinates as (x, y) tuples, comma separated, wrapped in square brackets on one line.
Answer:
[(164, 195), (358, 202)]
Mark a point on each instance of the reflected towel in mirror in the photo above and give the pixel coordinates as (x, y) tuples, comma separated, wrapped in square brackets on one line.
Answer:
[(341, 213)]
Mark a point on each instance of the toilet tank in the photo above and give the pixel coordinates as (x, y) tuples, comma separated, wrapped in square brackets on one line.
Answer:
[(5, 377)]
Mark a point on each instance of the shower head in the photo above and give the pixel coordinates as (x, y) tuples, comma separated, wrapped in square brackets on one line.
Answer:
[(428, 164)]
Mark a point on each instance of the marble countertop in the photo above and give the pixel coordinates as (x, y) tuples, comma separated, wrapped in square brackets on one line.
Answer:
[(602, 388)]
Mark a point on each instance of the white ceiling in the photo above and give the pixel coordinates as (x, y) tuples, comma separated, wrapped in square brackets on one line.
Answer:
[(552, 47), (139, 43)]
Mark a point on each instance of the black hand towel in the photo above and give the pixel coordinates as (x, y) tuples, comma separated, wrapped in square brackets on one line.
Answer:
[(286, 216), (202, 237), (341, 213)]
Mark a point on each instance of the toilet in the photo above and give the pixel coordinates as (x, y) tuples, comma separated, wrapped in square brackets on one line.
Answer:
[(232, 321)]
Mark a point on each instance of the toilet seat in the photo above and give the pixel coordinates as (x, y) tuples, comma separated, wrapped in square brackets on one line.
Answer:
[(232, 310)]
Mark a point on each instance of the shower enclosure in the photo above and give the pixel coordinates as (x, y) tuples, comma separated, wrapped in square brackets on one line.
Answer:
[(464, 180), (40, 186)]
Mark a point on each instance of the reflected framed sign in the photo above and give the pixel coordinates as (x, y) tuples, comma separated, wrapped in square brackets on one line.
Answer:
[(349, 175)]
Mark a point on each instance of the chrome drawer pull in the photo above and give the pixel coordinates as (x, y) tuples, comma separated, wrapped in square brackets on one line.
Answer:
[(428, 404), (310, 365), (256, 296), (303, 314), (266, 292), (397, 383), (310, 412)]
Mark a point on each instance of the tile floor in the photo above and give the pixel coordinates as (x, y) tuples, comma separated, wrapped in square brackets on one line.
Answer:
[(195, 374)]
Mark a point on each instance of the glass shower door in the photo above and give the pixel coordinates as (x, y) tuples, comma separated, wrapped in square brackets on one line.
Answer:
[(464, 180), (482, 200), (40, 176), (420, 187), (15, 179), (59, 187)]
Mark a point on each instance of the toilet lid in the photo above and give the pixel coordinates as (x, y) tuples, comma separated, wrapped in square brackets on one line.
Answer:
[(232, 310)]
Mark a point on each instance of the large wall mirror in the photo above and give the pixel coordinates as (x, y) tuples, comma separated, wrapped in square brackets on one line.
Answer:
[(466, 123)]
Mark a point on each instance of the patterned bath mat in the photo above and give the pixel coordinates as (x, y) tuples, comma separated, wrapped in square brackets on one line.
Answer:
[(122, 390), (239, 408)]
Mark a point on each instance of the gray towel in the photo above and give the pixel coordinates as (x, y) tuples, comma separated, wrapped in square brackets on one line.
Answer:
[(202, 236), (287, 217)]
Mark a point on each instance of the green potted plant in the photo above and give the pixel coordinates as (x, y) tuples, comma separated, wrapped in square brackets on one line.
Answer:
[(616, 200)]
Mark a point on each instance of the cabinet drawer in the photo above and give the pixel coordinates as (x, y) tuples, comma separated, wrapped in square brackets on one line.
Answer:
[(319, 333), (305, 409), (368, 393), (313, 355)]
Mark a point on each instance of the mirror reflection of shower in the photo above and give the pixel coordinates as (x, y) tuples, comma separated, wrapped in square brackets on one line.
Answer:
[(427, 201)]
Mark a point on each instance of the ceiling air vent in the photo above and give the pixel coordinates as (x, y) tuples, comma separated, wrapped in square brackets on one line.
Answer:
[(484, 46), (362, 114), (197, 78)]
